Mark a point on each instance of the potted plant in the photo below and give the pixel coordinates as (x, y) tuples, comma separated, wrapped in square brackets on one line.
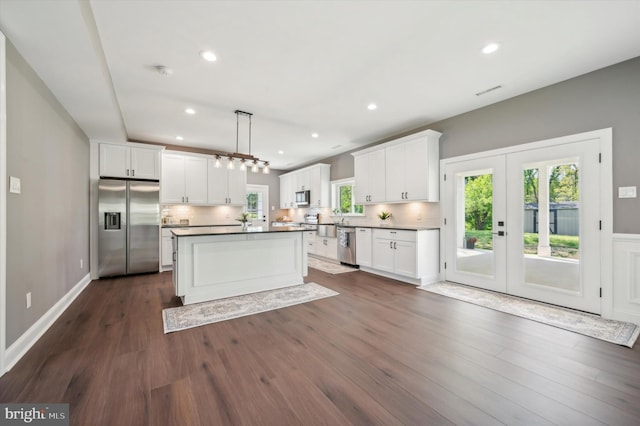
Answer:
[(471, 242), (385, 217), (244, 219)]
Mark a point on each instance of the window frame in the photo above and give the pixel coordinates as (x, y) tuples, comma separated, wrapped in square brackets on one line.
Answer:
[(335, 197)]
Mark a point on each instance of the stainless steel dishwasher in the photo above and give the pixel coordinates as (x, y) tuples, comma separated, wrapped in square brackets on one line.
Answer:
[(347, 245)]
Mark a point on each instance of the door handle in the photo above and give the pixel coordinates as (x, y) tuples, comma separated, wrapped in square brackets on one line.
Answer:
[(500, 233), (391, 245), (127, 172), (395, 245), (133, 172)]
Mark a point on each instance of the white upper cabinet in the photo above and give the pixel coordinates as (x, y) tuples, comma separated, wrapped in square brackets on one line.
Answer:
[(184, 178), (315, 179), (409, 170), (226, 186), (370, 176), (287, 190), (129, 162), (414, 172)]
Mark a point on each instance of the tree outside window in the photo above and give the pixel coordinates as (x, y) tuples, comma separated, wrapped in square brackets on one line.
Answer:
[(343, 202)]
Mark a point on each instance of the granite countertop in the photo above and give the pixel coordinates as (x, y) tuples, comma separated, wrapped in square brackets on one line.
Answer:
[(230, 230), (177, 225), (398, 227)]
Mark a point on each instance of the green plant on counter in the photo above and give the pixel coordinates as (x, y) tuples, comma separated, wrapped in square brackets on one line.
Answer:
[(244, 217), (384, 215)]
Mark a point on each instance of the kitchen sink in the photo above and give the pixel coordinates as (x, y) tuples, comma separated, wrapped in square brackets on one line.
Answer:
[(327, 230)]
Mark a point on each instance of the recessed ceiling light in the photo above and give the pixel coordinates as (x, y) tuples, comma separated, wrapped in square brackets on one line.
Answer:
[(490, 48), (190, 111), (372, 106), (315, 135), (208, 55), (179, 138), (280, 152)]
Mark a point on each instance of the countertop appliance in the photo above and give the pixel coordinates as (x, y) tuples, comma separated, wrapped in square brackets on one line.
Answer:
[(347, 246), (128, 227), (303, 198)]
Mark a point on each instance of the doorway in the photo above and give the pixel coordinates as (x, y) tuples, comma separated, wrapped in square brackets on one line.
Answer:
[(527, 221), (257, 204)]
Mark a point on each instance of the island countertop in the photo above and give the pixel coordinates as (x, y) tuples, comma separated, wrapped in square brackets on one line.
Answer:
[(231, 230)]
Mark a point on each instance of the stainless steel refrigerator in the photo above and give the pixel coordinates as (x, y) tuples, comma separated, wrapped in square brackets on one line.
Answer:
[(129, 227)]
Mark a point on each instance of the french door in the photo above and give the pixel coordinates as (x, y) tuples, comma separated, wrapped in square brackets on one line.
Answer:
[(527, 223)]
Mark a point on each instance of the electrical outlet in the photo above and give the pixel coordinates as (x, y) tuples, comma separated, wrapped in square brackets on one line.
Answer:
[(81, 263), (29, 300)]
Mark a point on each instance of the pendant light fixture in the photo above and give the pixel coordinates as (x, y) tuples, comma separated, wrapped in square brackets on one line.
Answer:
[(245, 159)]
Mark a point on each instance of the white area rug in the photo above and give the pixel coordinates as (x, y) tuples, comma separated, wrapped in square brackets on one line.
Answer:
[(331, 268), (184, 317), (618, 332)]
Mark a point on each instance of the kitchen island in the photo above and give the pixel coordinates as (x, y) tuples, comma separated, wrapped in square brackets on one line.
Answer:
[(212, 263)]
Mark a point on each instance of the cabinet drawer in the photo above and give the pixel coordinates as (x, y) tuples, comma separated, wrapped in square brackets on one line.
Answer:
[(394, 234)]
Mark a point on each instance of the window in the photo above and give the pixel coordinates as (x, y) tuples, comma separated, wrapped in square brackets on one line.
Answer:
[(342, 198)]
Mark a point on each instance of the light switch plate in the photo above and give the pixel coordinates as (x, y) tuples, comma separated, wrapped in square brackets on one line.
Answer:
[(14, 185), (626, 192)]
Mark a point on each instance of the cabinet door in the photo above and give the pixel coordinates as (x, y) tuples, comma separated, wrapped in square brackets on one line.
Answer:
[(363, 247), (286, 192), (416, 170), (145, 163), (377, 176), (331, 248), (217, 184), (361, 175), (196, 180), (173, 179), (382, 254), (395, 164), (167, 252), (237, 185), (405, 258), (114, 161)]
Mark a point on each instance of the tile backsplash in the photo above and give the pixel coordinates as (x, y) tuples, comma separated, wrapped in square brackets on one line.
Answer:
[(418, 214), (200, 215)]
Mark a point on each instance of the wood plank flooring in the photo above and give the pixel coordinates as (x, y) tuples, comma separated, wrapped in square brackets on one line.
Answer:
[(380, 353)]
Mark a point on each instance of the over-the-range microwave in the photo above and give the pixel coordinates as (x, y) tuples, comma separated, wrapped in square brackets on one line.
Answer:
[(303, 198)]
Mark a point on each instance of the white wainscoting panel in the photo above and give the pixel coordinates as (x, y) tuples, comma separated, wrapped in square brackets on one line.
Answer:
[(626, 277)]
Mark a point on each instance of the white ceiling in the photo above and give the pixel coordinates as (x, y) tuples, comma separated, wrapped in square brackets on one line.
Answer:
[(303, 67)]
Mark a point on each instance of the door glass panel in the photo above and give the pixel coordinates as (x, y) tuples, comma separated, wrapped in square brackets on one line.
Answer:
[(256, 207), (552, 224), (474, 220)]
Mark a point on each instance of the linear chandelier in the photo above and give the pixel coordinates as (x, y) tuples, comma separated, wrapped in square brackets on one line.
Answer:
[(245, 160)]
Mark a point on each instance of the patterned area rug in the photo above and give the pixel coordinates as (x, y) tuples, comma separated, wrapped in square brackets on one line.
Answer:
[(619, 332), (184, 317), (331, 268)]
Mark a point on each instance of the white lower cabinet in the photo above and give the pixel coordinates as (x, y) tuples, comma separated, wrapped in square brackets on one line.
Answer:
[(327, 247), (166, 254), (410, 256), (310, 241), (363, 247), (321, 246)]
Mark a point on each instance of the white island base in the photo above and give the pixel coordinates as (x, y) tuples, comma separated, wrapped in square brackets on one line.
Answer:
[(210, 266)]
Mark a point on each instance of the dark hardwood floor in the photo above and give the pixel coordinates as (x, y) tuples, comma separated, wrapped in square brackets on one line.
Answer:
[(379, 353)]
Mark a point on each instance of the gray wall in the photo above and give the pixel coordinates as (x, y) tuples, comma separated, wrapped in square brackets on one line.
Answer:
[(48, 223), (609, 97), (273, 181)]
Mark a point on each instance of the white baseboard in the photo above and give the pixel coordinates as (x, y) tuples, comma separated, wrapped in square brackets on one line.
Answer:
[(16, 351)]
